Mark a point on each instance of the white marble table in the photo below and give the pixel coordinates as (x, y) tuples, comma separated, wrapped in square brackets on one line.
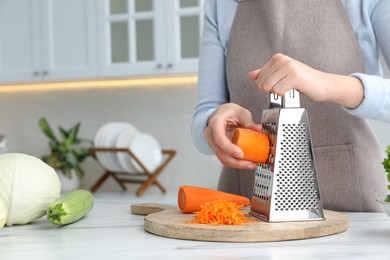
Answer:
[(111, 232)]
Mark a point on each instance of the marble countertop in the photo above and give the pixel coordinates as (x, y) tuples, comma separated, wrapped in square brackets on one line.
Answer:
[(109, 231)]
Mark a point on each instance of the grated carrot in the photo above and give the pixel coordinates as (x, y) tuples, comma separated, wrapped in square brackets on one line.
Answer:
[(220, 212)]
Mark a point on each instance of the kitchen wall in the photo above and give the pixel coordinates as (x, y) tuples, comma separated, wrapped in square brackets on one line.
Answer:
[(164, 111)]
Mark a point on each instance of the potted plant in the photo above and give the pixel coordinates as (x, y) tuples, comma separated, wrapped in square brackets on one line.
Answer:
[(66, 152), (385, 202), (386, 165)]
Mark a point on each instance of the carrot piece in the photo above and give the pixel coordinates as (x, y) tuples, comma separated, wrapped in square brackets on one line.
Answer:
[(255, 145), (220, 212), (191, 198)]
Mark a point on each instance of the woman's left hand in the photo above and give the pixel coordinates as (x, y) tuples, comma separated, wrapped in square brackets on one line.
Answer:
[(282, 73)]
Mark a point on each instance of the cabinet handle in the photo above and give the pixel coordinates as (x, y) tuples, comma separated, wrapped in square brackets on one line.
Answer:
[(45, 72), (159, 66), (169, 65), (36, 73)]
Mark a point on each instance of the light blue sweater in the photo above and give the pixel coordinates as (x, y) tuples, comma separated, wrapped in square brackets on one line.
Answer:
[(370, 20)]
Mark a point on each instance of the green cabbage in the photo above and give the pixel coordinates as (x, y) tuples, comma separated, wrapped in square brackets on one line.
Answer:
[(28, 186)]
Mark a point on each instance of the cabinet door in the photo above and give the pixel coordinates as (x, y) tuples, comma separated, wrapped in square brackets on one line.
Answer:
[(131, 37), (20, 53), (184, 17), (144, 37), (69, 39)]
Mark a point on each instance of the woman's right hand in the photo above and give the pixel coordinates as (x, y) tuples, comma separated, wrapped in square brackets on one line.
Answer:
[(219, 130)]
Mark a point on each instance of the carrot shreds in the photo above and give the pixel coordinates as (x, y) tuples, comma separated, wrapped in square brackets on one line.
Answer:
[(220, 212)]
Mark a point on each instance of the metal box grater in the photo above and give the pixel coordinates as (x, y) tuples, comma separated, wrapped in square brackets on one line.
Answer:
[(286, 187)]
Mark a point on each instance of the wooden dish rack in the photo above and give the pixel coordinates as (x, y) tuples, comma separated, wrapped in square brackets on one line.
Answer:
[(124, 177)]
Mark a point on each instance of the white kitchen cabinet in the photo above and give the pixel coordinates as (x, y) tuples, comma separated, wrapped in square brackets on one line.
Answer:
[(148, 37), (19, 40), (69, 39), (47, 40)]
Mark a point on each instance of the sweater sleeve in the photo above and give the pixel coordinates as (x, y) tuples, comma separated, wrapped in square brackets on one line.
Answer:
[(376, 103), (212, 89)]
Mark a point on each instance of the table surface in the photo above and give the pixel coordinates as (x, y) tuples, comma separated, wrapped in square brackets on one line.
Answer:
[(110, 231)]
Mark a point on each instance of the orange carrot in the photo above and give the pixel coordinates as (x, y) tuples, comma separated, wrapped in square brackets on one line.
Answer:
[(219, 212), (255, 145), (190, 198)]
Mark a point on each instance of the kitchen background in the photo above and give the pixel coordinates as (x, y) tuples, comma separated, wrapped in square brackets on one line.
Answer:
[(101, 61)]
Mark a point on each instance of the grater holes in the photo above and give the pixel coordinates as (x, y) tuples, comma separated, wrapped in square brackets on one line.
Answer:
[(295, 192), (263, 182), (296, 188), (270, 128)]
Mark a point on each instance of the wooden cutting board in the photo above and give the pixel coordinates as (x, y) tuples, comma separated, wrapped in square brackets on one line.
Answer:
[(168, 221)]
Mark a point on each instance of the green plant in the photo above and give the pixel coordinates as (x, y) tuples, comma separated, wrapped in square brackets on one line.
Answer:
[(386, 165), (66, 153)]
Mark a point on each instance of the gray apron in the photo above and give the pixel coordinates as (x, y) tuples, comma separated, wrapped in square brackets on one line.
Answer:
[(318, 33)]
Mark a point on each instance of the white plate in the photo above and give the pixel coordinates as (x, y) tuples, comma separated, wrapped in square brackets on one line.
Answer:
[(112, 161), (98, 142), (106, 138), (123, 141), (146, 148)]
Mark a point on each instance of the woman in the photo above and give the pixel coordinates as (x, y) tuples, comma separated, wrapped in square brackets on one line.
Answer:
[(328, 50)]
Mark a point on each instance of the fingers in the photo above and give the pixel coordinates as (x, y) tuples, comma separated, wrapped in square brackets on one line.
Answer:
[(277, 75), (256, 127), (218, 133), (282, 86), (272, 68), (254, 74), (229, 160), (223, 122)]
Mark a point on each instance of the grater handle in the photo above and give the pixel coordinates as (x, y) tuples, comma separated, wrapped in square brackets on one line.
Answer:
[(291, 99), (275, 101)]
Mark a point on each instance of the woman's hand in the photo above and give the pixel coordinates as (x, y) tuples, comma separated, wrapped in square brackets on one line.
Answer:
[(282, 73), (218, 133)]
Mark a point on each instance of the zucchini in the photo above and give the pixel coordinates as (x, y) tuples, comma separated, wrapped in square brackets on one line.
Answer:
[(70, 207)]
